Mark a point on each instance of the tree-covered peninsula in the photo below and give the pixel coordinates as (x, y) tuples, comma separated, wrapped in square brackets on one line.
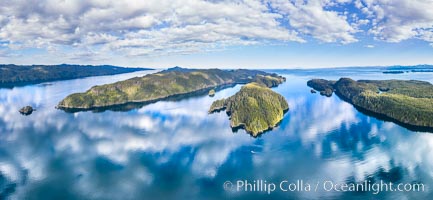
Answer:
[(407, 102), (255, 108), (325, 87), (168, 83), (11, 75)]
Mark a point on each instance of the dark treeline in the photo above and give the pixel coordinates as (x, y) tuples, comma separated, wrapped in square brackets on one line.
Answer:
[(28, 74)]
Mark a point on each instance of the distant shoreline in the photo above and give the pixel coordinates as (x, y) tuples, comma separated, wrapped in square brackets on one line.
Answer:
[(21, 75)]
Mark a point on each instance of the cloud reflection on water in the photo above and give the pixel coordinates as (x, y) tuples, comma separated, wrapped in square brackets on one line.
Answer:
[(141, 152)]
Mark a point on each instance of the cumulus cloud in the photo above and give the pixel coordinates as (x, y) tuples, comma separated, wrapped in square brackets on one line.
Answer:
[(311, 18), (159, 27), (139, 28), (398, 20)]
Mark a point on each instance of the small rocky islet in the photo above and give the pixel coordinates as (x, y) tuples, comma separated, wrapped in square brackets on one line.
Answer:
[(211, 93), (324, 87), (407, 102), (26, 110)]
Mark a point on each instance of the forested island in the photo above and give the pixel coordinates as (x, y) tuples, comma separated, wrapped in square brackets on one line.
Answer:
[(161, 85), (255, 108), (11, 75), (407, 102)]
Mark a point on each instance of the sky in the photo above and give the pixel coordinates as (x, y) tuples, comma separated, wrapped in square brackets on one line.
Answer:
[(217, 33)]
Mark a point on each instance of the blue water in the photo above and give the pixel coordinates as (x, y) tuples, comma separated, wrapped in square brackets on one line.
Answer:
[(176, 150)]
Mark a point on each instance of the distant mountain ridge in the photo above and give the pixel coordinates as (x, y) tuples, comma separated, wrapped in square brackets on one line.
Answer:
[(179, 69), (399, 67), (415, 68)]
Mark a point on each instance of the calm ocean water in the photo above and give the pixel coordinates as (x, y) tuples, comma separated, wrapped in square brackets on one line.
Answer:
[(176, 150)]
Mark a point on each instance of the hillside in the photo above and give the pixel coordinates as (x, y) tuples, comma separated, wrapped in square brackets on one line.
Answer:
[(162, 85), (407, 102), (30, 74), (255, 108)]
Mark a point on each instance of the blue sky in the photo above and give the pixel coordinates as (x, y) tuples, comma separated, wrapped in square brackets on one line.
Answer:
[(218, 33)]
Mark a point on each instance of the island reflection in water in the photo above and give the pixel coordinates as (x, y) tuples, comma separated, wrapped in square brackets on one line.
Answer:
[(176, 150)]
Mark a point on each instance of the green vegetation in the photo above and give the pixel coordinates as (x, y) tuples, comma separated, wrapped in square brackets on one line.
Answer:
[(407, 102), (168, 83), (255, 108), (19, 74), (325, 87), (412, 88), (218, 105), (269, 80)]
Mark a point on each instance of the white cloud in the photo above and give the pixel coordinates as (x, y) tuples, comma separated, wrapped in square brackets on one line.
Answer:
[(369, 46), (311, 18), (160, 27), (136, 28), (399, 20)]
